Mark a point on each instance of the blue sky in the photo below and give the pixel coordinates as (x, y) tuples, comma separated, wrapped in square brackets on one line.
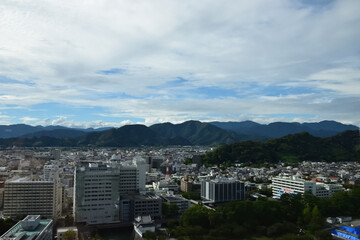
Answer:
[(109, 63)]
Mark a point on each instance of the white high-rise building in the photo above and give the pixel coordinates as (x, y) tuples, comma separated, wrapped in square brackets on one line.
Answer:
[(98, 188), (297, 185), (27, 196)]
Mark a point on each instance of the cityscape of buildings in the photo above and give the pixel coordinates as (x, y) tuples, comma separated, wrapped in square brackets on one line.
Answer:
[(99, 187)]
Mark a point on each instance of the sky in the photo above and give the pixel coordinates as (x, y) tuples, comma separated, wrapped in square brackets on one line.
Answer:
[(101, 63)]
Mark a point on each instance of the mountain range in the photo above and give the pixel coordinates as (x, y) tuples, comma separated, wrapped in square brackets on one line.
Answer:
[(290, 149), (280, 129), (163, 134)]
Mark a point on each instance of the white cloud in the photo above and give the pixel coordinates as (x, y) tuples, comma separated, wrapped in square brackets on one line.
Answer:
[(28, 119), (54, 50), (62, 121)]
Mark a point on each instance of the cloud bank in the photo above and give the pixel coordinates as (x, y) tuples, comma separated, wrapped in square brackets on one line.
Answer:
[(102, 63)]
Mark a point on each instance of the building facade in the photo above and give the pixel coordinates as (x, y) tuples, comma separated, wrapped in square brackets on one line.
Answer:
[(181, 202), (26, 196), (185, 185), (222, 190), (296, 185), (98, 189), (132, 206)]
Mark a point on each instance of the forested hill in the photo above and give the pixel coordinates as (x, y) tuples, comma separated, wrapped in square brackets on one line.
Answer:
[(292, 148)]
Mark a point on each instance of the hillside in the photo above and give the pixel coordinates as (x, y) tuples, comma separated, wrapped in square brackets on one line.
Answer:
[(197, 133), (129, 136), (292, 148), (57, 133), (280, 129), (164, 134)]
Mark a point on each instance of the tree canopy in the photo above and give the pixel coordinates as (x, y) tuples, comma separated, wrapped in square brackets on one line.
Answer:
[(294, 216), (291, 149)]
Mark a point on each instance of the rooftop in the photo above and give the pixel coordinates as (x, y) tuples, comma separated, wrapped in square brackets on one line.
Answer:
[(18, 232), (26, 179)]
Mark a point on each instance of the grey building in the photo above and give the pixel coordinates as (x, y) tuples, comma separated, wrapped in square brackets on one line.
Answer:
[(132, 206), (222, 190), (180, 201), (99, 187)]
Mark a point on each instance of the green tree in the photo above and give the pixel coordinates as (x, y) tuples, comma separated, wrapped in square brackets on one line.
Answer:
[(306, 215), (323, 235), (291, 206), (188, 161), (317, 220), (194, 195), (195, 216), (69, 235), (170, 210), (149, 235)]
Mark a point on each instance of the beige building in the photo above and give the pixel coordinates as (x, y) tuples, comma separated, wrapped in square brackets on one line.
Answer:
[(29, 196), (186, 186)]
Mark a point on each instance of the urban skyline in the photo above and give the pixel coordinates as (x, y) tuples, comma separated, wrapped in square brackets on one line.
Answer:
[(104, 63)]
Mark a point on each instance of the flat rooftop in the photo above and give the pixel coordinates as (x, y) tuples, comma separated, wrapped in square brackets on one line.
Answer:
[(26, 180), (17, 232)]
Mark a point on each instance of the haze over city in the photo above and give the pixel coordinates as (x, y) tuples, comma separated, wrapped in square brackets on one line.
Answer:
[(110, 63)]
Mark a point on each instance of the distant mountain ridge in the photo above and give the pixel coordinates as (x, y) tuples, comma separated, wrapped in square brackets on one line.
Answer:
[(23, 130), (291, 149), (280, 129), (162, 134)]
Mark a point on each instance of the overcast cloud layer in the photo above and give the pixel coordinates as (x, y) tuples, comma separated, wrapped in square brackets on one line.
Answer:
[(110, 63)]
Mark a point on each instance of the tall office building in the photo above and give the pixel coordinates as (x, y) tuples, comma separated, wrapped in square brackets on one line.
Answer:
[(296, 185), (222, 190), (27, 196), (99, 187), (96, 194)]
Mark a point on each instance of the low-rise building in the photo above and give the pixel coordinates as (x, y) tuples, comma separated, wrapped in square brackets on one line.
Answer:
[(132, 206), (166, 185), (180, 201), (32, 227), (142, 224), (296, 185)]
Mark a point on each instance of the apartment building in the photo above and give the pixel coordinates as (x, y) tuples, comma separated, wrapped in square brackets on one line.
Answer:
[(31, 196)]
